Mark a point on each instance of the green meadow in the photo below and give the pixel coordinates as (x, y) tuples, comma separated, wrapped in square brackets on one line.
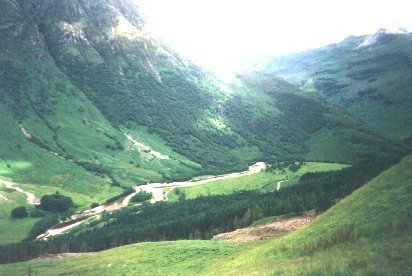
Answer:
[(366, 233), (262, 181)]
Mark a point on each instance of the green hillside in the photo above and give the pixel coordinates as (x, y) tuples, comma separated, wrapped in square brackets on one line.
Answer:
[(368, 75), (263, 181), (317, 129), (366, 233), (86, 94), (91, 104)]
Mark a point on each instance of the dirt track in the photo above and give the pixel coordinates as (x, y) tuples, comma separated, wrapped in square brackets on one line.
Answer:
[(31, 198), (157, 195)]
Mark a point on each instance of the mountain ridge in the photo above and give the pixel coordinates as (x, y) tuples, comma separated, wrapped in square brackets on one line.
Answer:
[(366, 75), (90, 101)]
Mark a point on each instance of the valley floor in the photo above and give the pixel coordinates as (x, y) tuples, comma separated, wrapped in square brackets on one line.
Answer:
[(367, 233)]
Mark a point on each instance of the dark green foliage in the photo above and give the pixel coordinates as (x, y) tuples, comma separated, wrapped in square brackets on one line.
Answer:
[(141, 196), (42, 225), (37, 213), (92, 167), (204, 216), (364, 74), (371, 82), (19, 212), (94, 205), (294, 167), (126, 192), (56, 203), (329, 86)]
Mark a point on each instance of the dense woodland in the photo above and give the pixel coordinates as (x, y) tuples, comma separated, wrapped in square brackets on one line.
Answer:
[(65, 69), (203, 217)]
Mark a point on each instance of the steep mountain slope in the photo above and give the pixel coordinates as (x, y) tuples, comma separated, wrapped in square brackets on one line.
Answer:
[(370, 76), (53, 134), (366, 233), (79, 75), (305, 123)]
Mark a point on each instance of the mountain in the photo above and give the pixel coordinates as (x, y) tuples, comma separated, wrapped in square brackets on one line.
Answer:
[(92, 104), (83, 81), (304, 121), (369, 76)]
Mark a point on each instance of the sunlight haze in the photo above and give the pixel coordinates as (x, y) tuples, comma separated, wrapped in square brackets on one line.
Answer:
[(223, 35)]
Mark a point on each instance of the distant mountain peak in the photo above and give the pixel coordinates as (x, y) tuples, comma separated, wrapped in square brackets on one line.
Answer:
[(380, 34)]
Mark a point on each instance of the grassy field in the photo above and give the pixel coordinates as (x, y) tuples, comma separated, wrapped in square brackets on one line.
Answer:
[(13, 230), (263, 181), (367, 233), (161, 258)]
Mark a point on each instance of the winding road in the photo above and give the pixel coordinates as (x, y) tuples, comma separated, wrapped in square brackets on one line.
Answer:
[(158, 194)]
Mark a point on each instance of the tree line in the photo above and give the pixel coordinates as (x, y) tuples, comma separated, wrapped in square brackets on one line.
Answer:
[(203, 217)]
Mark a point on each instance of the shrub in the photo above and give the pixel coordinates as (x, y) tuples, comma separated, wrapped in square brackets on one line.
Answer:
[(37, 213), (126, 192), (95, 204), (141, 196), (55, 203), (42, 225), (19, 212)]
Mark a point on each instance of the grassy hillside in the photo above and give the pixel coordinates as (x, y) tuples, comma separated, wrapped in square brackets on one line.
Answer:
[(371, 81), (263, 181), (316, 129), (77, 75), (87, 95), (13, 230), (366, 233)]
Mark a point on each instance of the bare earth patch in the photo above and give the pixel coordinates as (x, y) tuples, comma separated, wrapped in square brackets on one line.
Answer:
[(58, 256), (266, 231), (2, 197)]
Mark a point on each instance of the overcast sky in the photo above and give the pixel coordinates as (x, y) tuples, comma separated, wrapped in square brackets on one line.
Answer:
[(222, 34)]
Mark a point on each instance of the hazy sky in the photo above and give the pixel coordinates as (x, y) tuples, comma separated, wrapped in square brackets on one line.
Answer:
[(221, 34)]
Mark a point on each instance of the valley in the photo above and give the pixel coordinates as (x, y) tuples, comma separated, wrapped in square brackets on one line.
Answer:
[(343, 235), (155, 189), (164, 191), (121, 156)]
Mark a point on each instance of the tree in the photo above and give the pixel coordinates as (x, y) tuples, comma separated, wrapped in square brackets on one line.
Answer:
[(19, 212), (56, 203), (141, 196)]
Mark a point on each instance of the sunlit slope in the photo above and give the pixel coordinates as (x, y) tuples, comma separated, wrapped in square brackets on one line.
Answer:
[(78, 74), (53, 137), (262, 181), (366, 233), (368, 75)]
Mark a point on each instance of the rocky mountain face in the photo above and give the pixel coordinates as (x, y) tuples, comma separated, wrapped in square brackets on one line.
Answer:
[(86, 93), (370, 76)]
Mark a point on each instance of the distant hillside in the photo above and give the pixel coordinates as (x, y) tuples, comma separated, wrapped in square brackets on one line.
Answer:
[(78, 75), (305, 121), (91, 103), (370, 76)]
